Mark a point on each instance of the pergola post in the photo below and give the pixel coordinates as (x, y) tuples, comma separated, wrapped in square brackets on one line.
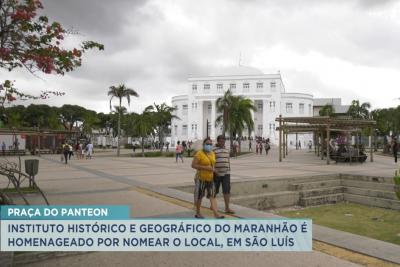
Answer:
[(328, 137), (371, 141), (280, 138), (286, 144), (317, 143), (322, 145), (315, 146)]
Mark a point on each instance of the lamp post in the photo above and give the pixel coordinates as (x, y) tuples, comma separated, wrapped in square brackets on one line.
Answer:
[(207, 129)]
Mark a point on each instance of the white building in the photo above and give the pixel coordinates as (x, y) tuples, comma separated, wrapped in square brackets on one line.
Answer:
[(266, 90)]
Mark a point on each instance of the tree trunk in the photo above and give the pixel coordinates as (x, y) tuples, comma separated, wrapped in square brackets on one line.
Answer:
[(160, 140), (119, 127), (142, 147)]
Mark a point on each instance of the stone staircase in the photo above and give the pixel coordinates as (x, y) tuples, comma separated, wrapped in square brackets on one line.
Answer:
[(366, 190)]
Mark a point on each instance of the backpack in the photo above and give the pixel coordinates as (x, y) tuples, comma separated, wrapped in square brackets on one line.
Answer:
[(66, 148)]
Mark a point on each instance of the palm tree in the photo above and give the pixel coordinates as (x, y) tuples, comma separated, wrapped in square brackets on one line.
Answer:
[(162, 116), (120, 92), (224, 104), (143, 126), (357, 111), (236, 114)]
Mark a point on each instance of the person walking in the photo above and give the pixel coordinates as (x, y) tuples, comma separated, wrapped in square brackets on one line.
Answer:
[(250, 148), (222, 172), (204, 163), (395, 148), (178, 151), (267, 146), (66, 152)]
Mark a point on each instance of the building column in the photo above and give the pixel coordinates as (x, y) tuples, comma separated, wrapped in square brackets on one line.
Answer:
[(212, 123), (255, 125), (200, 130), (265, 119)]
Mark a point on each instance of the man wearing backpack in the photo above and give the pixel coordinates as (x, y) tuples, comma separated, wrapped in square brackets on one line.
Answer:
[(66, 152)]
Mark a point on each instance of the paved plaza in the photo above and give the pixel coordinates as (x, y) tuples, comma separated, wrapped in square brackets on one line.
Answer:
[(145, 185)]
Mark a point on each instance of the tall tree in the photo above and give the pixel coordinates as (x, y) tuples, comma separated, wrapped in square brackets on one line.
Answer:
[(120, 92), (162, 116), (143, 126), (224, 105), (236, 114), (30, 40), (71, 115), (359, 111)]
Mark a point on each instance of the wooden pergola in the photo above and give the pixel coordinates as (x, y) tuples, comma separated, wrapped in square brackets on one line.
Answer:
[(39, 134), (319, 126)]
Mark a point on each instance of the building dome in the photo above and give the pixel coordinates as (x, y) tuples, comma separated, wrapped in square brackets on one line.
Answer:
[(237, 70)]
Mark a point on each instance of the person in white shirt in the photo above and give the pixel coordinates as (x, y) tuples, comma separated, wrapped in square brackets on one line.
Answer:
[(89, 150)]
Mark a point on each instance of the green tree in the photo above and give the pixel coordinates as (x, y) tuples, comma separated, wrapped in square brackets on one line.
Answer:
[(236, 115), (120, 92), (71, 115), (143, 126), (162, 116), (327, 110), (357, 111)]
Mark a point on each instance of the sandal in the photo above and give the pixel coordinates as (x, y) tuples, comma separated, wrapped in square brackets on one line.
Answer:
[(230, 212), (220, 217), (197, 216)]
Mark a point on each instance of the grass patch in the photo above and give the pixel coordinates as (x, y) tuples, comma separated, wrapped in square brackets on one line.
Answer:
[(377, 223), (22, 189), (156, 154)]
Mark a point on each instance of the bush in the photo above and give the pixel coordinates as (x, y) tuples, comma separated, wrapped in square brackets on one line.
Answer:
[(155, 154), (128, 146)]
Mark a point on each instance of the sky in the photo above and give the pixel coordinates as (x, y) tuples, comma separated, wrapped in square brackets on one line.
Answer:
[(327, 48)]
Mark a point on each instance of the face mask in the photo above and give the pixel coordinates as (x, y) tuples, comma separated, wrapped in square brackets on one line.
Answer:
[(208, 148)]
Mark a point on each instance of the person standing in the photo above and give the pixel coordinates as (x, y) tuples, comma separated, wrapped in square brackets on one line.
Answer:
[(395, 148), (89, 149), (204, 163), (222, 172), (178, 151), (250, 148), (3, 148)]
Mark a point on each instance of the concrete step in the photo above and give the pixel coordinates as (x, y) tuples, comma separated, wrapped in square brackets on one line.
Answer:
[(321, 200), (371, 192), (321, 192), (373, 201), (364, 178), (369, 185), (314, 185), (267, 201)]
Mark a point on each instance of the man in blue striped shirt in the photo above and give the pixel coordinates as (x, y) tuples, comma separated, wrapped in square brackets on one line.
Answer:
[(222, 171)]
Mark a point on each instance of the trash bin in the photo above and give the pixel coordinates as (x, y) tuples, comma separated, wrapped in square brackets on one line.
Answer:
[(31, 166)]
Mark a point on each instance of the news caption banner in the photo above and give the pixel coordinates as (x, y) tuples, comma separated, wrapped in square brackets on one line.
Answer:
[(110, 228)]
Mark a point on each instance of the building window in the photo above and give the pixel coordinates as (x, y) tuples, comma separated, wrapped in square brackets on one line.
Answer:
[(309, 109), (184, 109), (206, 88), (260, 85), (272, 106), (289, 108), (194, 106), (220, 87), (259, 107), (194, 128), (301, 108), (246, 87), (270, 128), (184, 129), (232, 86), (194, 88), (273, 85), (176, 130), (259, 130)]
